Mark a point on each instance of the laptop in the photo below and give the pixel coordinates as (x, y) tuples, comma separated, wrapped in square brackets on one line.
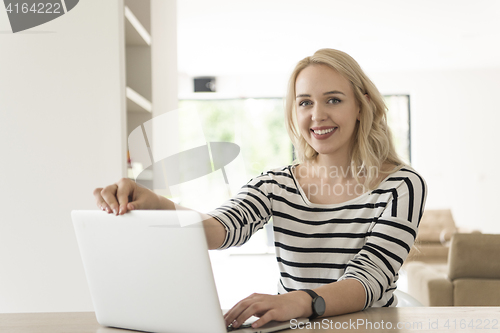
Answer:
[(150, 271)]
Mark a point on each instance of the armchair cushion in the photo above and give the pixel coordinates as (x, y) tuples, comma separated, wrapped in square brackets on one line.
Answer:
[(476, 292), (474, 256)]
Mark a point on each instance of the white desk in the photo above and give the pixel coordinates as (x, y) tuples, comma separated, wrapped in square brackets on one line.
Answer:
[(424, 319)]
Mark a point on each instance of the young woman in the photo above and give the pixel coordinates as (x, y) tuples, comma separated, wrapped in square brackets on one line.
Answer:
[(345, 215)]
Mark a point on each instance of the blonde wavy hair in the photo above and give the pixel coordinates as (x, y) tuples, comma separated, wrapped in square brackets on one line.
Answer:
[(373, 145)]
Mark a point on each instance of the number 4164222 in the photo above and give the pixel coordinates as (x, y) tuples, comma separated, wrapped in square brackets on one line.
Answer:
[(36, 8)]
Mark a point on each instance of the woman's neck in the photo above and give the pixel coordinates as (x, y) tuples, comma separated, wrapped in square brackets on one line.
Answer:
[(332, 168)]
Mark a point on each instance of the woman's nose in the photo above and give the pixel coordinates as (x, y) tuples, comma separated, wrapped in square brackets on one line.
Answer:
[(318, 114)]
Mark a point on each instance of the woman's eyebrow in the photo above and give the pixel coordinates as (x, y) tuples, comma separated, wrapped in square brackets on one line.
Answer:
[(327, 93), (334, 92)]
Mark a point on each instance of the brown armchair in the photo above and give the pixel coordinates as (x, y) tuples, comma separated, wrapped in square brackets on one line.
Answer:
[(472, 277)]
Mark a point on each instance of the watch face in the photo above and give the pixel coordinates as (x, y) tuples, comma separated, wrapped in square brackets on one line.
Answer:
[(319, 306)]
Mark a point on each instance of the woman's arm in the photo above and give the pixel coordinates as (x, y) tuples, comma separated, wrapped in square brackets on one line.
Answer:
[(390, 239), (214, 230), (340, 297), (126, 195)]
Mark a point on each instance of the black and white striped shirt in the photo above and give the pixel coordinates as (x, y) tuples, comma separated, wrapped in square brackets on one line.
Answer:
[(366, 238)]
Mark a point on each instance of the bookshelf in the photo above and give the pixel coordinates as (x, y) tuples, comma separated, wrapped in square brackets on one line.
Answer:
[(138, 73)]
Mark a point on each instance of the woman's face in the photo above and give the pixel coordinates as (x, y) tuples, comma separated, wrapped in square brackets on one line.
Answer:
[(327, 110)]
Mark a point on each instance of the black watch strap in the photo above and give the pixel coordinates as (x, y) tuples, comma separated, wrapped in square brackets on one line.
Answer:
[(311, 293), (317, 304)]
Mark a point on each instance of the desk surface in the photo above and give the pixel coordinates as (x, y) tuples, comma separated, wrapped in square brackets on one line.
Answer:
[(424, 319)]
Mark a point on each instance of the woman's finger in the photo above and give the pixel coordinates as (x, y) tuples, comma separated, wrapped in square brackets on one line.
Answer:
[(100, 201), (109, 196), (231, 315), (267, 317), (124, 194), (256, 307), (236, 310)]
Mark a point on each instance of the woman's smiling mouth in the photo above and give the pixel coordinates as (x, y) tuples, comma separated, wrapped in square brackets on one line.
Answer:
[(322, 133)]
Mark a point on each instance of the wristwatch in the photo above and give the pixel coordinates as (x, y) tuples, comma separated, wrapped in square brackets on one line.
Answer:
[(318, 304)]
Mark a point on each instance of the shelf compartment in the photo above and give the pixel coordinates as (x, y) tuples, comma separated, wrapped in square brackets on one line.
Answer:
[(136, 102), (135, 33)]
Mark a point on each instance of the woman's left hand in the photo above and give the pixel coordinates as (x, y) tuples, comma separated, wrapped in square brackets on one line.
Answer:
[(295, 304)]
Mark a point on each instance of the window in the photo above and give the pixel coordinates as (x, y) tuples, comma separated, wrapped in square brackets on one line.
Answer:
[(398, 118), (257, 126)]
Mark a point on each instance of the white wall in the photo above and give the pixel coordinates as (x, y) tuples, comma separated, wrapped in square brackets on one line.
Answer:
[(164, 78), (455, 139), (454, 115), (61, 135)]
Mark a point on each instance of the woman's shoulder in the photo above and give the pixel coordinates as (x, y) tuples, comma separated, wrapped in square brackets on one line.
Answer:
[(278, 172), (404, 174), (275, 176), (409, 172)]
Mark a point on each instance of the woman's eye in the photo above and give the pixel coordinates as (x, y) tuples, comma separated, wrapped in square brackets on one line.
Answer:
[(304, 103), (334, 101)]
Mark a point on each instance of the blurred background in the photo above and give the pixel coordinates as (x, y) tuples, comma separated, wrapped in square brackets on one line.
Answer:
[(78, 91)]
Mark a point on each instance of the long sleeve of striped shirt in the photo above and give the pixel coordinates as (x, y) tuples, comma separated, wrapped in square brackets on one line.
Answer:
[(390, 237), (366, 238), (247, 212)]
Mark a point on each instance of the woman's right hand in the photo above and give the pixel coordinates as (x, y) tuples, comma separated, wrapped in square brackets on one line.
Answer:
[(125, 195)]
